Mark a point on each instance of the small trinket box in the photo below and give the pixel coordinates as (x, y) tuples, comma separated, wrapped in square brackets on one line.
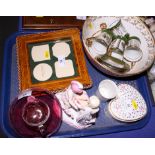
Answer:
[(129, 106)]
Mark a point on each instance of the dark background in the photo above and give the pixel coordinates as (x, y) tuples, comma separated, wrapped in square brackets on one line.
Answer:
[(8, 25)]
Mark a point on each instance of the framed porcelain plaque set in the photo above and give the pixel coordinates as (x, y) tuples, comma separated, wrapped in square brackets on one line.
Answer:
[(61, 90), (51, 59)]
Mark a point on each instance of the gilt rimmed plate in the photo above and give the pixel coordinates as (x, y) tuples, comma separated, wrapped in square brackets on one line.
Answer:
[(135, 27), (129, 106)]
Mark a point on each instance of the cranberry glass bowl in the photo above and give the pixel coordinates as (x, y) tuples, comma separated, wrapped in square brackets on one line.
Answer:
[(35, 113)]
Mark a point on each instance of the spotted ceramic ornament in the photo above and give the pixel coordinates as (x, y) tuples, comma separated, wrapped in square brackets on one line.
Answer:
[(129, 106)]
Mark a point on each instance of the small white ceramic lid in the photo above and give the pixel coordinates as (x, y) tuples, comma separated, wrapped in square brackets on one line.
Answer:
[(108, 89), (129, 106)]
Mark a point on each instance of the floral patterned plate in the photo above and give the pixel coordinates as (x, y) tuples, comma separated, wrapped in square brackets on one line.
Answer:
[(113, 36), (129, 106)]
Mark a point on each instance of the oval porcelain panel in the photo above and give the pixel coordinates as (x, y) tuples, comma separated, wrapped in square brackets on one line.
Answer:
[(129, 106), (135, 27)]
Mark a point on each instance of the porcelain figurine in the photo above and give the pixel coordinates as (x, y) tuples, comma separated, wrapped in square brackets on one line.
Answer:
[(78, 109)]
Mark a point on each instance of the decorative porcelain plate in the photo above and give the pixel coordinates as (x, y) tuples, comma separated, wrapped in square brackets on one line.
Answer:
[(129, 106), (118, 46)]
